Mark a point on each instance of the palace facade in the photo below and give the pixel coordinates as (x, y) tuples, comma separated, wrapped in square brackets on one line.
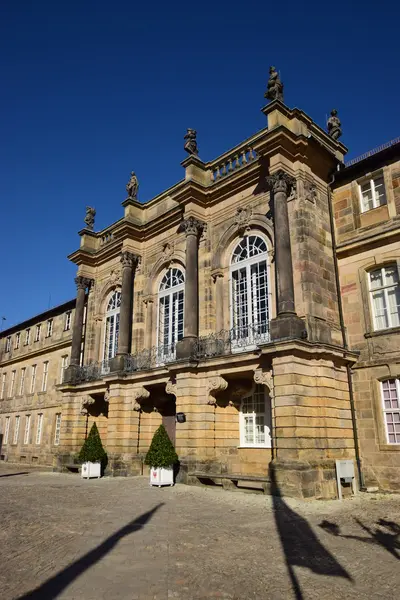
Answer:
[(253, 308)]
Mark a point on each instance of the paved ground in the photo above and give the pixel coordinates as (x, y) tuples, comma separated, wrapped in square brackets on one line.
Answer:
[(62, 537)]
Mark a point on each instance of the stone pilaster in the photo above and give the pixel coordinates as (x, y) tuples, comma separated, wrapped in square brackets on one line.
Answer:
[(218, 278), (286, 324)]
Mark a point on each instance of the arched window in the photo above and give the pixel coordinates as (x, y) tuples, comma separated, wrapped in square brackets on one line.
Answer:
[(255, 419), (112, 326), (250, 291), (170, 312)]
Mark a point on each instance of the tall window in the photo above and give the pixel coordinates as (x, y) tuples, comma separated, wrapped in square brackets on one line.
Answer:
[(27, 428), (372, 193), (112, 326), (255, 419), (8, 343), (17, 340), (250, 291), (27, 336), (3, 385), (33, 378), (170, 312), (391, 409), (6, 431), (67, 323), (39, 426), (64, 365), (37, 332), (49, 331), (45, 375), (16, 430), (12, 383), (22, 381), (385, 297), (57, 429)]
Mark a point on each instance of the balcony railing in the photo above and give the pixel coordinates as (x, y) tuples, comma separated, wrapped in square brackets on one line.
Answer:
[(152, 358)]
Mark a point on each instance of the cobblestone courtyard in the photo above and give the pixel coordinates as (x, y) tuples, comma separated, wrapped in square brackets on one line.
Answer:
[(62, 537)]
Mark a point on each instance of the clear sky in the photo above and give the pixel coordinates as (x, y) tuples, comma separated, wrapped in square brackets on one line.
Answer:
[(94, 89)]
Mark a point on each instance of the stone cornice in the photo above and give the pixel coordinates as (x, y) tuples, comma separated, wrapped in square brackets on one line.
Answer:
[(378, 235)]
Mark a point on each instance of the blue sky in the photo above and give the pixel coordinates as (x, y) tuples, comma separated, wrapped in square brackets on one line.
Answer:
[(94, 89)]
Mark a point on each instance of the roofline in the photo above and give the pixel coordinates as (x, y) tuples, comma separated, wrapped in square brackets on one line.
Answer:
[(372, 161), (39, 317)]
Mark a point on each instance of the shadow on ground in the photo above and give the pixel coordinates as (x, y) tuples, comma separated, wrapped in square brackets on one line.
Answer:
[(55, 585), (13, 474)]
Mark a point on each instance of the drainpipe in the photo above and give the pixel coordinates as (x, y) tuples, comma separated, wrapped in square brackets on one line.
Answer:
[(344, 338)]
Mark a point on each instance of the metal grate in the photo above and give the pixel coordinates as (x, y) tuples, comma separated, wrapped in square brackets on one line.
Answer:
[(353, 161)]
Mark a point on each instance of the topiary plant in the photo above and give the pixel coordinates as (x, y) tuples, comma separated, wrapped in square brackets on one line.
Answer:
[(161, 453), (92, 449)]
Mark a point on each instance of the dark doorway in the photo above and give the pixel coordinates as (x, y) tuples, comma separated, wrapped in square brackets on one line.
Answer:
[(168, 413)]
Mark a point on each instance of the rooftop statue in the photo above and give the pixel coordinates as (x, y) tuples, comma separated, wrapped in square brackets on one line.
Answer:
[(132, 187), (191, 143), (275, 86), (334, 125), (89, 218)]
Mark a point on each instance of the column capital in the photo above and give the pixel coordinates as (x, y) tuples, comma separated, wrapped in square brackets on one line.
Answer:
[(192, 226), (128, 259), (83, 282), (280, 181)]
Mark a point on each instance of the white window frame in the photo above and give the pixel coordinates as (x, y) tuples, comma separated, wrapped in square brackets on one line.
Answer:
[(16, 429), (8, 343), (38, 331), (259, 389), (39, 427), (3, 385), (391, 410), (385, 290), (12, 383), (27, 429), (112, 315), (49, 332), (64, 365), (17, 340), (175, 328), (33, 379), (27, 336), (45, 375), (67, 323), (57, 429), (371, 180), (6, 430), (22, 381)]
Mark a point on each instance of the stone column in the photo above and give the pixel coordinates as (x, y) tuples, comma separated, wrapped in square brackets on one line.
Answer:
[(193, 229), (287, 324), (81, 284)]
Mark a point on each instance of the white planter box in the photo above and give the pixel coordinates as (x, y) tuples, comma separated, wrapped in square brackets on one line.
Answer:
[(161, 476), (90, 470)]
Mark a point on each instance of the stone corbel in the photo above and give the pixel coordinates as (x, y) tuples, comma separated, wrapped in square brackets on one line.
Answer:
[(215, 384), (171, 388), (240, 390), (264, 378), (139, 394), (107, 396), (85, 403)]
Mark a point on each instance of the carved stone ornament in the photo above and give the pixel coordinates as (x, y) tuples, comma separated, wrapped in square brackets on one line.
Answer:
[(215, 384), (274, 87), (132, 187), (128, 259), (115, 276), (240, 390), (107, 396), (333, 125), (88, 401), (264, 378), (83, 282), (192, 226), (139, 394), (89, 218), (310, 191), (281, 182), (217, 274), (171, 388), (191, 142), (167, 250), (242, 220)]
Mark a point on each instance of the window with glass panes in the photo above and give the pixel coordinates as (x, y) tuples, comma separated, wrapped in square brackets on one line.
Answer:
[(8, 343), (57, 429), (22, 381), (3, 386), (49, 328), (45, 375), (27, 428), (16, 430), (64, 365), (372, 193), (37, 332), (39, 425), (385, 296), (6, 431), (250, 295), (67, 324), (112, 326), (33, 378), (391, 409), (17, 340), (27, 337), (255, 419), (12, 383), (170, 311)]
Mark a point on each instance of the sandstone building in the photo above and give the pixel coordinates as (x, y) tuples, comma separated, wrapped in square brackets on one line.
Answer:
[(253, 308)]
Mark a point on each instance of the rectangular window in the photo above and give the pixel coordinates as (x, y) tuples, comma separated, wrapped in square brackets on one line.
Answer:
[(3, 385), (16, 430), (57, 429), (49, 328), (12, 383), (385, 297), (33, 379), (8, 343), (67, 325), (391, 409), (39, 428), (255, 421), (64, 365), (37, 332), (27, 428), (372, 193), (6, 431), (22, 382), (17, 340), (27, 337), (45, 375)]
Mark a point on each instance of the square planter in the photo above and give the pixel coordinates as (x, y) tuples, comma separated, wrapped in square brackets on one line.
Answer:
[(160, 476), (90, 470)]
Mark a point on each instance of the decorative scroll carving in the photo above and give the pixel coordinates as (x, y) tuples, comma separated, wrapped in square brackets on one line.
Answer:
[(107, 396), (115, 276), (242, 220), (192, 226), (275, 86), (130, 260), (310, 191), (132, 187), (88, 401), (264, 378), (281, 182), (215, 384), (89, 218), (83, 282), (171, 388), (191, 142), (333, 125), (139, 394)]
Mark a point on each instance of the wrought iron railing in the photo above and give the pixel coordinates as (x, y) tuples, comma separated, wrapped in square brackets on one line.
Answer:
[(150, 358), (237, 339)]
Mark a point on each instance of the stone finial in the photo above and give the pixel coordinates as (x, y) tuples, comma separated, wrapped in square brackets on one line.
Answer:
[(89, 218), (191, 142), (132, 187), (281, 182), (275, 86), (333, 125)]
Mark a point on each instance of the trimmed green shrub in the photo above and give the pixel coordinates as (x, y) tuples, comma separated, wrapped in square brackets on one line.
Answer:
[(92, 449), (161, 452)]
